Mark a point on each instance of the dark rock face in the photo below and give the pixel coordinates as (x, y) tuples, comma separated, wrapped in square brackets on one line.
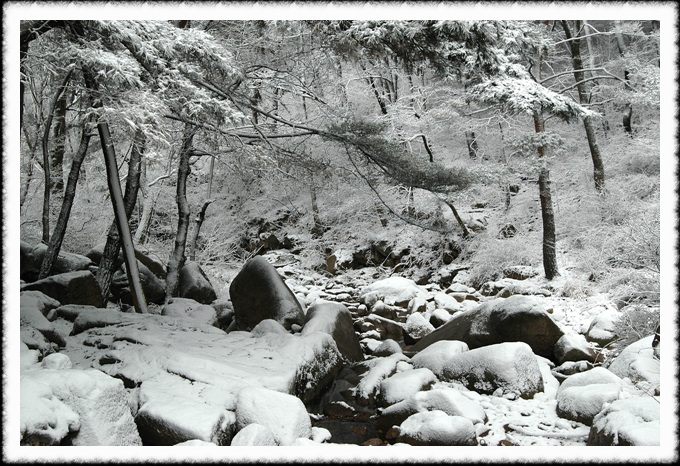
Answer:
[(517, 318), (69, 288), (95, 254), (154, 289), (258, 292), (194, 284), (336, 320), (32, 257)]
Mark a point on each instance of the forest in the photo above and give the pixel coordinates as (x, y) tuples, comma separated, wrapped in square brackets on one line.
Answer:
[(341, 232)]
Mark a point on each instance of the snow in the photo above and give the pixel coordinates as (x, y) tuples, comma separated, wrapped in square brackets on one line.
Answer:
[(401, 385), (445, 301), (387, 347), (393, 290), (638, 363), (44, 419), (195, 443), (434, 428), (184, 307), (254, 435), (418, 326), (268, 326), (56, 361), (320, 435), (379, 369), (285, 415), (631, 421), (435, 356)]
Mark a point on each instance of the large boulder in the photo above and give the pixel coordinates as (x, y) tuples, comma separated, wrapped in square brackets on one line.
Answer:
[(184, 307), (398, 291), (44, 419), (602, 329), (574, 347), (31, 261), (510, 367), (30, 317), (436, 428), (78, 287), (627, 422), (194, 284), (258, 292), (153, 287), (436, 356), (583, 395), (157, 268), (638, 362), (518, 318), (402, 385), (335, 320)]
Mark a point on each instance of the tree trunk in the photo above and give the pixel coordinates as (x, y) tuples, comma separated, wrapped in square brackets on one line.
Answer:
[(131, 268), (59, 136), (466, 232), (628, 110), (108, 263), (27, 169), (317, 229), (579, 75), (549, 253), (69, 195), (471, 143), (198, 222), (177, 258)]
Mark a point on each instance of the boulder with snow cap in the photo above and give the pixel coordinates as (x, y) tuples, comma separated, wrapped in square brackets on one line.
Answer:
[(582, 396), (395, 290), (44, 419), (284, 415), (194, 284), (448, 302), (435, 356), (254, 435), (335, 320), (184, 307), (78, 287), (57, 361), (31, 261), (153, 287), (436, 428), (267, 326), (638, 362), (402, 385), (416, 327), (39, 301), (439, 317), (387, 348), (602, 329), (378, 370), (32, 318), (510, 367), (258, 292), (574, 347), (518, 318), (627, 422)]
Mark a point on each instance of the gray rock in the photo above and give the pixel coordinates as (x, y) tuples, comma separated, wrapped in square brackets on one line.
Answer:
[(336, 320), (194, 284), (69, 288)]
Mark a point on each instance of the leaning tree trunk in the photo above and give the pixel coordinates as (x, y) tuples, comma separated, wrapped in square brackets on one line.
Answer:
[(466, 232), (198, 223), (471, 140), (177, 258), (69, 194), (579, 75), (549, 254), (108, 263)]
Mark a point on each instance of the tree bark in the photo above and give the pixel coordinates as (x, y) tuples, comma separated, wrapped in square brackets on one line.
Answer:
[(466, 232), (317, 229), (471, 143), (579, 76), (549, 253), (628, 110), (59, 136), (69, 195), (177, 258), (198, 222), (109, 261)]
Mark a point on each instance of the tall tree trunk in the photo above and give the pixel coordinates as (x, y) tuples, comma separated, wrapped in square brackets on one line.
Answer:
[(198, 222), (69, 195), (27, 168), (579, 76), (549, 253), (471, 140), (59, 136), (177, 258), (149, 201), (317, 229), (376, 92), (628, 110), (109, 261)]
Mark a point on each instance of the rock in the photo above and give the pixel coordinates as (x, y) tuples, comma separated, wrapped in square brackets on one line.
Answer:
[(69, 288), (268, 326), (627, 422), (574, 347), (581, 396), (378, 369), (38, 300), (95, 318), (31, 261), (459, 288), (602, 328), (284, 415), (68, 311), (32, 317), (402, 385), (56, 361), (518, 318), (100, 402), (395, 290), (520, 272), (156, 267), (436, 428), (439, 317), (386, 348), (195, 443), (415, 328), (512, 367), (153, 287), (450, 401), (43, 418), (417, 304), (435, 356), (254, 435), (507, 287), (638, 363), (348, 432), (184, 307), (448, 302), (258, 292), (335, 320), (194, 284)]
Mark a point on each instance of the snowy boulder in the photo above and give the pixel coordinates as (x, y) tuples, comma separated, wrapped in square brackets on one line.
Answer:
[(395, 290), (581, 396), (518, 318), (68, 311), (194, 284), (195, 443), (254, 435), (459, 288), (32, 318), (603, 326), (638, 363), (65, 262), (402, 385), (94, 318), (335, 320), (378, 370), (258, 292), (284, 415), (99, 400), (435, 356), (417, 304), (436, 428), (153, 287), (507, 287), (439, 317), (69, 288), (416, 327), (43, 418), (574, 347), (184, 307), (446, 301), (57, 361), (510, 367), (450, 401), (387, 348), (38, 300), (627, 422), (268, 326)]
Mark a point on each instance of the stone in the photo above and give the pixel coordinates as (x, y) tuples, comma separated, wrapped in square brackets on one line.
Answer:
[(32, 317), (439, 317), (402, 385), (96, 318), (57, 361), (448, 302), (395, 290), (627, 422), (43, 418), (78, 287), (267, 326), (335, 320), (602, 329), (194, 284), (638, 362), (435, 356), (254, 435), (68, 311), (31, 261), (185, 307), (574, 347), (156, 267), (520, 272), (417, 304), (153, 287), (38, 300), (387, 348), (518, 318), (415, 328), (583, 395), (258, 292), (510, 367), (436, 428)]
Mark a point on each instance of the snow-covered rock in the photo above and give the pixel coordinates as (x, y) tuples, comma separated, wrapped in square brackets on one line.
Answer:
[(185, 307), (68, 311), (387, 348), (417, 304), (448, 302), (43, 418), (602, 328), (435, 356), (436, 428), (638, 363), (78, 287), (581, 396), (574, 347), (402, 385), (254, 435), (32, 318), (95, 318), (194, 284), (56, 361), (628, 422), (378, 369), (416, 327), (268, 326), (284, 415), (195, 443), (394, 290), (335, 320), (439, 317), (510, 367)]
